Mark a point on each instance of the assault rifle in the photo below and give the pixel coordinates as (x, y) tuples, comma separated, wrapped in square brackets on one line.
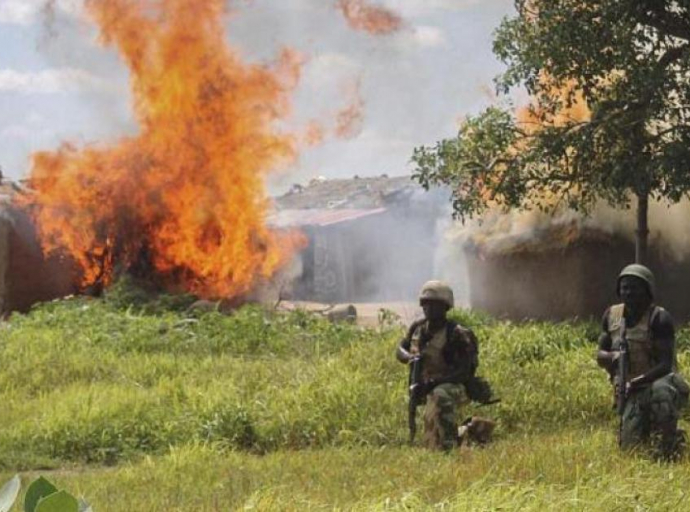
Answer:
[(623, 365), (417, 394)]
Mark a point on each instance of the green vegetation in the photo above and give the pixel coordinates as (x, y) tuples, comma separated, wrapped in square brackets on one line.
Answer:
[(626, 64), (142, 408), (41, 496)]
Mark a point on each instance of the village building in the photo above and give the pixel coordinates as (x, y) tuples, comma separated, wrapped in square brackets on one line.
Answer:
[(378, 239), (565, 270), (26, 276), (369, 239)]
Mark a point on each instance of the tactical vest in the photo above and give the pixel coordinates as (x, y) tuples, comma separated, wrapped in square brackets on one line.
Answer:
[(639, 338), (435, 366)]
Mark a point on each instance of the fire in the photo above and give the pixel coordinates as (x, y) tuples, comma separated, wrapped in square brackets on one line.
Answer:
[(532, 119), (502, 231), (373, 19), (184, 200)]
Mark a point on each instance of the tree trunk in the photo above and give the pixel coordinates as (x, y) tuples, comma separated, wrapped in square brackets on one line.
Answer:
[(642, 233)]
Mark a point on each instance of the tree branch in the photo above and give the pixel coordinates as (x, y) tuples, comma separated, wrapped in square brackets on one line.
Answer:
[(672, 129), (657, 17), (671, 55)]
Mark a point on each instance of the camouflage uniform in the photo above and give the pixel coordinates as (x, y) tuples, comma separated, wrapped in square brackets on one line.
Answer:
[(652, 407), (449, 359), (647, 410)]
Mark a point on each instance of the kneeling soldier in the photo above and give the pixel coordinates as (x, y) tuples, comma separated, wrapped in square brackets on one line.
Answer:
[(448, 357), (637, 348)]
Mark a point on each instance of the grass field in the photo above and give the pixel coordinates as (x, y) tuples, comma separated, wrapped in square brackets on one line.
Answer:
[(139, 406)]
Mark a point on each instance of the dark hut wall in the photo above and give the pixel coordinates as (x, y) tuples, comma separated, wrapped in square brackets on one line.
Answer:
[(29, 277), (380, 257), (574, 280)]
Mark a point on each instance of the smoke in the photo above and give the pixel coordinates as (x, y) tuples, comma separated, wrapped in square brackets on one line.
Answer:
[(669, 226), (502, 232), (350, 120), (450, 260), (368, 18), (314, 134)]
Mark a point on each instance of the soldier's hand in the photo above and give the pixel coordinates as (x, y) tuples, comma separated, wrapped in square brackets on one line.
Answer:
[(633, 384), (430, 384)]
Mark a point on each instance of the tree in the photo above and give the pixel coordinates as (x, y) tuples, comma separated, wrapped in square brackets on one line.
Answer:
[(628, 63)]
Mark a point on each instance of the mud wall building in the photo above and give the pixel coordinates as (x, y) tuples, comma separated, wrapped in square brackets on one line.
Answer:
[(26, 276), (565, 271), (368, 238)]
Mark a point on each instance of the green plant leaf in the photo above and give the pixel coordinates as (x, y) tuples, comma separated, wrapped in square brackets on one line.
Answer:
[(61, 501), (9, 492), (39, 488)]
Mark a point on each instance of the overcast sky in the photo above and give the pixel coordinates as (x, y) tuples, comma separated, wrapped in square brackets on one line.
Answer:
[(57, 84)]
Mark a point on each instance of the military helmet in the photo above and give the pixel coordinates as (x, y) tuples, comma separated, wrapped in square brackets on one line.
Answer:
[(641, 272), (437, 290)]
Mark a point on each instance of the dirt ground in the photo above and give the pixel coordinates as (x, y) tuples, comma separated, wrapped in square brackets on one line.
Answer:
[(368, 314)]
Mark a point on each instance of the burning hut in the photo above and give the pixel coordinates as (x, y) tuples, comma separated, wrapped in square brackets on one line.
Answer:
[(561, 271), (368, 238), (26, 276)]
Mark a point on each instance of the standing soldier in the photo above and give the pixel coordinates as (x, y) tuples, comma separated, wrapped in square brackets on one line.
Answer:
[(447, 353), (637, 348)]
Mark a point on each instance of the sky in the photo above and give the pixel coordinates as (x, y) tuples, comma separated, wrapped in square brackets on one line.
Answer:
[(57, 84)]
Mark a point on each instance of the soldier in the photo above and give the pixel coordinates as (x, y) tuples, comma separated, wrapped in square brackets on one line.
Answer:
[(654, 393), (449, 358)]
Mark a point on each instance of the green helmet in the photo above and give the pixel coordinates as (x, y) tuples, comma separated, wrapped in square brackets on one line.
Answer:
[(437, 290), (641, 272)]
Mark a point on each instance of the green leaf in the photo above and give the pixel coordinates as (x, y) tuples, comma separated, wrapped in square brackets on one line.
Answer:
[(61, 501), (39, 488), (9, 492)]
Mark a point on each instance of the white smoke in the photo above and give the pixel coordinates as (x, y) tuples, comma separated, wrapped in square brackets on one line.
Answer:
[(499, 232)]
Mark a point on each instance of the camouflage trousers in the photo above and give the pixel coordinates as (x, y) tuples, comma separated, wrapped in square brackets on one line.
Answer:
[(441, 413), (653, 412)]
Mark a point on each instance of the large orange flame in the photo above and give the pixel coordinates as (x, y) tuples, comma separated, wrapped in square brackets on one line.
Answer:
[(186, 196)]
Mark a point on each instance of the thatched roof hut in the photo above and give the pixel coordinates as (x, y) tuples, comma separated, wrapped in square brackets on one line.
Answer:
[(563, 270)]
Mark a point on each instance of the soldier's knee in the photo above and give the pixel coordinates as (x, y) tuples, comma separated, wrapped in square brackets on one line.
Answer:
[(663, 403), (663, 410)]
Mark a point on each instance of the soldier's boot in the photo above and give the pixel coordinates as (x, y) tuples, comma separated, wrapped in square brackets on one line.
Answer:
[(671, 441)]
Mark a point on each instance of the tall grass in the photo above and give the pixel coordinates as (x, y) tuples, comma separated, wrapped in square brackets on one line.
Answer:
[(286, 410), (573, 470), (86, 380)]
